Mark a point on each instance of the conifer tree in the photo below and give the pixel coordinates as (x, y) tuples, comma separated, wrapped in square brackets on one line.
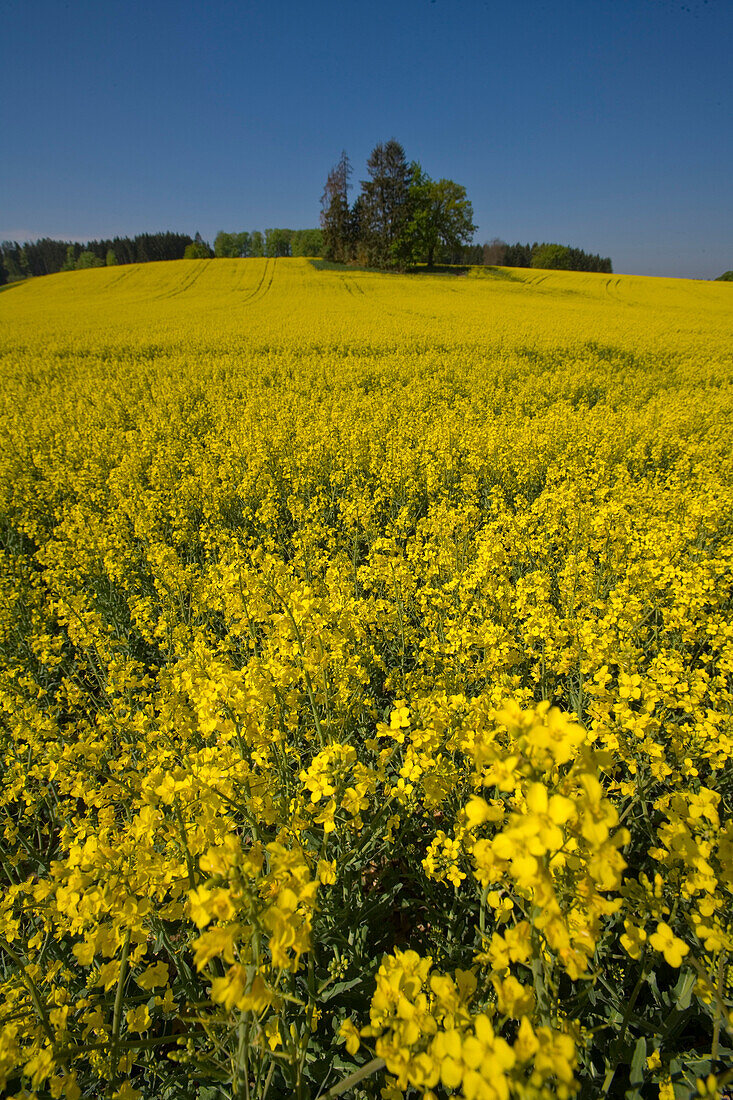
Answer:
[(335, 214), (385, 203)]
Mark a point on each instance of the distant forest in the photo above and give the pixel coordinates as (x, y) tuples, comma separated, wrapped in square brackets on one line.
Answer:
[(47, 256)]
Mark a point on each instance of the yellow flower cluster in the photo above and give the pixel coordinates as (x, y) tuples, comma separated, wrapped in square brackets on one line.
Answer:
[(366, 671), (428, 1035)]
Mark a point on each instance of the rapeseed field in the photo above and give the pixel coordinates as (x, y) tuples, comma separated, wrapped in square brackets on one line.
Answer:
[(366, 680)]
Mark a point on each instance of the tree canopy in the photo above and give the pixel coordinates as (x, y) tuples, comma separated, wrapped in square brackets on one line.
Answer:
[(439, 214)]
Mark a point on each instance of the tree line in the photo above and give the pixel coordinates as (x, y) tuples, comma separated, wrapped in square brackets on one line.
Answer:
[(561, 257), (274, 242), (48, 256)]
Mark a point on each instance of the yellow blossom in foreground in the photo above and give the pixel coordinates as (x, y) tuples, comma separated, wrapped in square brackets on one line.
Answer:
[(664, 940)]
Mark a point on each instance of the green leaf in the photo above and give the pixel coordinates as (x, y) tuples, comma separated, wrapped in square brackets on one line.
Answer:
[(682, 992), (638, 1062), (332, 991)]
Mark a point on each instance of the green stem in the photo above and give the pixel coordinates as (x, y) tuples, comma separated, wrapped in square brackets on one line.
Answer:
[(716, 1026), (117, 1014), (366, 1071), (610, 1072), (32, 989)]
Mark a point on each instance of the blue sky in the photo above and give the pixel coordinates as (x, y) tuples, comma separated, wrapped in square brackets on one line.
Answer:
[(605, 124)]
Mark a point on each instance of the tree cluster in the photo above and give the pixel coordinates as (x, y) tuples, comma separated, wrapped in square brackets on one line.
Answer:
[(498, 253), (400, 217), (47, 256), (274, 242)]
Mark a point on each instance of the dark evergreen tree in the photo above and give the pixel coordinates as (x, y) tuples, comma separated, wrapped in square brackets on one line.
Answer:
[(386, 204), (517, 255), (357, 230), (335, 214)]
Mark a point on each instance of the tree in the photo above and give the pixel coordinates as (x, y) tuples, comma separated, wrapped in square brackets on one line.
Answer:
[(439, 213), (233, 245), (277, 242), (44, 256), (69, 263), (357, 229), (225, 245), (726, 277), (257, 243), (335, 214), (197, 250), (307, 242), (243, 243), (88, 259), (553, 256), (111, 258), (385, 207), (494, 252), (15, 261), (518, 255), (561, 257)]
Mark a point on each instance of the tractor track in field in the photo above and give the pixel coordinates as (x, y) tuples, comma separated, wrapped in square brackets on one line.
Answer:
[(194, 279), (123, 275), (184, 283), (263, 286), (353, 289)]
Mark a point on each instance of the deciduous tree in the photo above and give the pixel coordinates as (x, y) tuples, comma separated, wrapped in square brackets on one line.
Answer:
[(439, 214)]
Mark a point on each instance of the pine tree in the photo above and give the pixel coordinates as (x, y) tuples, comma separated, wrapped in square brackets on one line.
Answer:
[(335, 214), (386, 203)]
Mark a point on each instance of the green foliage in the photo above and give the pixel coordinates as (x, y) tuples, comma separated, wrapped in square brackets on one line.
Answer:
[(307, 242), (277, 242), (548, 256), (726, 277), (198, 249), (556, 257), (111, 258), (233, 245), (88, 259), (400, 217), (439, 214)]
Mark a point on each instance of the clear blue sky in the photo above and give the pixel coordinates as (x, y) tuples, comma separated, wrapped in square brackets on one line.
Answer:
[(606, 124)]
